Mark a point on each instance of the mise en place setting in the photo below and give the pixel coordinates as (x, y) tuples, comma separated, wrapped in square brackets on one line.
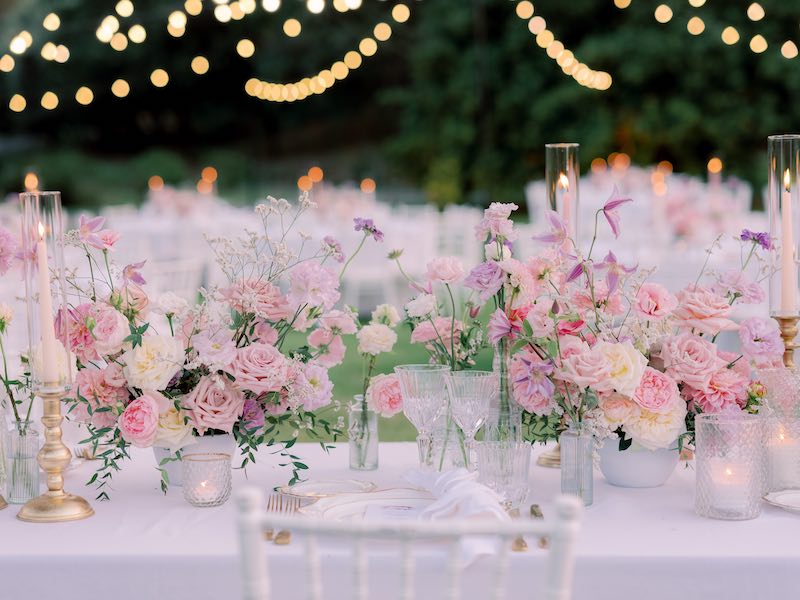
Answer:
[(394, 299)]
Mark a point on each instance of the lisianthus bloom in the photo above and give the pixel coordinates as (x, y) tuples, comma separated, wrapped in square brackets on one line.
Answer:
[(487, 278), (654, 302), (496, 222), (339, 322), (445, 269), (368, 227), (734, 285), (530, 380), (761, 341), (216, 349), (384, 395), (700, 309), (313, 285), (610, 210), (316, 386), (8, 249)]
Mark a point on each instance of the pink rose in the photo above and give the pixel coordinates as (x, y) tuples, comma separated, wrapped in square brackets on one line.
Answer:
[(258, 297), (587, 369), (261, 368), (130, 298), (570, 345), (445, 269), (384, 395), (265, 333), (138, 424), (653, 302), (214, 403), (110, 329), (690, 359), (656, 391), (741, 365), (726, 390), (332, 346), (313, 285), (701, 309)]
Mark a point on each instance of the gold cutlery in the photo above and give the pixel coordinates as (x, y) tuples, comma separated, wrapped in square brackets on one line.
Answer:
[(518, 544), (278, 503), (536, 513)]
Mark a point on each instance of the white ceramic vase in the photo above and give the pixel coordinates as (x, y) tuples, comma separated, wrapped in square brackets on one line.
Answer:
[(636, 467), (206, 444)]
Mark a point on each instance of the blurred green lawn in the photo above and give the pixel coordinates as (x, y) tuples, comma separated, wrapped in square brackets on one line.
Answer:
[(348, 377)]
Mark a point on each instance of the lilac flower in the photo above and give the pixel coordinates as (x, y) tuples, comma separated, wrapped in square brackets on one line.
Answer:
[(486, 279), (500, 326), (8, 249), (368, 226), (534, 378), (759, 238), (610, 210), (89, 231), (252, 414), (131, 273), (613, 271), (332, 247)]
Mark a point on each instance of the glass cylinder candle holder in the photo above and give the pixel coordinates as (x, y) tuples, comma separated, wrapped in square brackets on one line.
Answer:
[(784, 173), (562, 173), (577, 465), (206, 479), (42, 246), (782, 393), (783, 455), (731, 465)]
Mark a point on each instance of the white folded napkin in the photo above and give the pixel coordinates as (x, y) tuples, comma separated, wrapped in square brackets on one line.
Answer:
[(458, 495)]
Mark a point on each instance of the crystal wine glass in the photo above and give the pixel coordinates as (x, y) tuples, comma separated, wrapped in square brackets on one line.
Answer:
[(504, 467), (471, 394), (424, 401)]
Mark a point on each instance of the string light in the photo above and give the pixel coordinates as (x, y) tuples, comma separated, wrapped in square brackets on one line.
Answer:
[(271, 5), (193, 7), (382, 32), (7, 63), (315, 174), (663, 13), (789, 49), (755, 12), (120, 88), (222, 13), (209, 174), (401, 13), (292, 27), (49, 100), (119, 42), (51, 22), (622, 3), (84, 95), (159, 78), (177, 19), (200, 65), (17, 103), (245, 48), (696, 3), (304, 183), (368, 185), (124, 8), (696, 26), (714, 165), (315, 6), (758, 44), (155, 183), (137, 34), (730, 35)]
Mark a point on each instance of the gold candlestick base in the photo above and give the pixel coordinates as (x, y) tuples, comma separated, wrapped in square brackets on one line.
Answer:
[(788, 327), (3, 503), (551, 458), (55, 505)]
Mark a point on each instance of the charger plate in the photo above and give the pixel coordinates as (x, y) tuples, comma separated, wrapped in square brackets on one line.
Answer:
[(785, 499), (348, 507), (313, 490)]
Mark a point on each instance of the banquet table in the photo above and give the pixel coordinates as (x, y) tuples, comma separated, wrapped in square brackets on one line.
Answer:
[(633, 543)]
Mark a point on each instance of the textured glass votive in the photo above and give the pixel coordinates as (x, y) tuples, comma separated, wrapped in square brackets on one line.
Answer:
[(783, 391), (206, 479), (783, 454), (731, 465)]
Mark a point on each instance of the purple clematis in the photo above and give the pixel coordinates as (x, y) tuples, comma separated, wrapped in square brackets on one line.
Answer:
[(89, 231), (610, 210), (131, 273), (576, 272), (558, 230), (614, 270), (536, 378)]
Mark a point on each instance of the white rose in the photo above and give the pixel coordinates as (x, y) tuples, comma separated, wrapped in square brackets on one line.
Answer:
[(493, 252), (172, 431), (375, 339), (152, 364), (421, 307), (171, 304), (6, 314), (386, 314), (657, 430), (627, 365)]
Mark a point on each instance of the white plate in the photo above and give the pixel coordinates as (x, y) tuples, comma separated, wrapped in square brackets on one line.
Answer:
[(347, 507), (325, 489), (785, 499)]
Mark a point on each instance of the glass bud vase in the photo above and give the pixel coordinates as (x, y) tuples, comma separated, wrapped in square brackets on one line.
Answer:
[(504, 419), (577, 447), (362, 430), (22, 466)]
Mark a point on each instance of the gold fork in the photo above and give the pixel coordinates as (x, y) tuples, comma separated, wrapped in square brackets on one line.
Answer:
[(536, 513), (518, 544), (285, 505)]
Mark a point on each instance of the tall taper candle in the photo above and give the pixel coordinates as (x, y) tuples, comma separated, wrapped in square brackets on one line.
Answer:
[(50, 374), (788, 265)]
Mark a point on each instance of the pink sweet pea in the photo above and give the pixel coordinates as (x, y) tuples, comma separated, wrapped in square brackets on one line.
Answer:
[(610, 210)]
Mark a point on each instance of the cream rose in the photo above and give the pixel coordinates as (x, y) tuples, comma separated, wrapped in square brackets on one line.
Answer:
[(375, 339), (153, 363), (626, 364), (656, 430), (617, 409), (172, 432)]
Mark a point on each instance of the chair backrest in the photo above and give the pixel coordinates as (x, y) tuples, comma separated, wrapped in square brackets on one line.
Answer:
[(402, 536)]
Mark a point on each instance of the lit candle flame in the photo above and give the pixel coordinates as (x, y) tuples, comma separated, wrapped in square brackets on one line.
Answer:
[(41, 230), (564, 182), (787, 180), (203, 483), (728, 472)]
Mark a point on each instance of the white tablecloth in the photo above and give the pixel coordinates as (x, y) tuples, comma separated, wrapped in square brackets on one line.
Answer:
[(633, 543)]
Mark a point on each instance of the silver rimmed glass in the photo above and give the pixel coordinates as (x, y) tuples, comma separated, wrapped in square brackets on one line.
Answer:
[(505, 467), (471, 394), (424, 402)]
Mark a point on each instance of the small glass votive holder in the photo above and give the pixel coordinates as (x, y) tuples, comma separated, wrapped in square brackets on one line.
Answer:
[(206, 479), (731, 465), (783, 454)]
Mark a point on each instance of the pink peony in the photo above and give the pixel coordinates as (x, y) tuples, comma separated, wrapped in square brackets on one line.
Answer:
[(99, 391), (587, 369), (701, 309), (726, 390), (214, 403), (570, 345), (445, 269), (109, 329), (657, 392), (384, 395), (138, 424), (333, 348), (690, 359), (654, 301), (439, 330), (261, 368), (313, 285), (72, 330), (261, 298), (8, 249), (761, 341)]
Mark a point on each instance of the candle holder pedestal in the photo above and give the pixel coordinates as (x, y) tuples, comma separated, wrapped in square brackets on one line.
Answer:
[(789, 331), (551, 458), (55, 505)]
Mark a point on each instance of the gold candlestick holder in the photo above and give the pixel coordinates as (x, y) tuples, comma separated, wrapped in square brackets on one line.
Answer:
[(551, 458), (55, 505), (788, 327)]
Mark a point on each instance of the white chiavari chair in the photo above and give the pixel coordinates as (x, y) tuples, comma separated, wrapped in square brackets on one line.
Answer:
[(401, 538)]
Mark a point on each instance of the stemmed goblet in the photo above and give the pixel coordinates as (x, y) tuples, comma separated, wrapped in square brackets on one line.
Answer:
[(471, 394)]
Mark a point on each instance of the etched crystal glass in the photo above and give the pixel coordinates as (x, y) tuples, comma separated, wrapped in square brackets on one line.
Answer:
[(362, 431), (505, 468), (471, 394), (577, 467), (731, 465), (424, 402), (206, 479)]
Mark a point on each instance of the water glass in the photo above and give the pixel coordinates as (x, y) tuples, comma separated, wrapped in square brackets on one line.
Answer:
[(577, 463), (22, 465), (362, 431), (424, 402), (206, 479), (504, 467), (731, 465), (471, 395)]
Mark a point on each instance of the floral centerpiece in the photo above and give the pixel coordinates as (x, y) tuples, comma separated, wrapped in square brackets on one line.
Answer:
[(166, 373)]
